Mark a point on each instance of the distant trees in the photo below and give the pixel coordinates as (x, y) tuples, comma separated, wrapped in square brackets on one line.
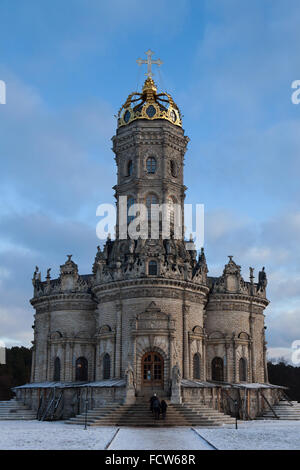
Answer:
[(16, 371), (282, 373)]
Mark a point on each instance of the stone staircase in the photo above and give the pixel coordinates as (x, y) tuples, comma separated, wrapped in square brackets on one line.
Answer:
[(283, 410), (202, 416), (105, 415), (13, 409), (139, 415)]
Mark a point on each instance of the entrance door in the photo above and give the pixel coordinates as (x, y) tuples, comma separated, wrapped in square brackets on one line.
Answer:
[(152, 369)]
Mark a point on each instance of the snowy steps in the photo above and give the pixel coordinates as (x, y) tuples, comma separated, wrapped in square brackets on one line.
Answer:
[(284, 411), (202, 415), (139, 415), (14, 410)]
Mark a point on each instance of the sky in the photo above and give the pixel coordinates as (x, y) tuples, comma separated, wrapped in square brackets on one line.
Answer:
[(229, 65)]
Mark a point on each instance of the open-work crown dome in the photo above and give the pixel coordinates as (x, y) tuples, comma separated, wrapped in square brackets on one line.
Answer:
[(149, 105)]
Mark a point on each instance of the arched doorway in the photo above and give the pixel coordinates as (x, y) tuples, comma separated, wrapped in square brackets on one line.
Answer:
[(196, 366), (106, 366), (243, 369), (56, 375), (152, 370), (217, 369), (81, 369)]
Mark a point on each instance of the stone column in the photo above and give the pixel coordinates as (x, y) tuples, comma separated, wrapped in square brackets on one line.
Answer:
[(63, 362), (69, 363), (134, 359), (48, 363), (32, 375), (190, 357), (164, 157), (266, 376), (234, 360), (98, 365), (171, 350), (185, 310), (227, 349), (203, 365), (72, 363), (66, 364), (252, 320), (138, 160), (249, 364), (119, 341)]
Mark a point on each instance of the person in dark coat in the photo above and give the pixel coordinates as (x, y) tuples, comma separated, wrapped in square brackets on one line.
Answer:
[(152, 399), (163, 407), (156, 408)]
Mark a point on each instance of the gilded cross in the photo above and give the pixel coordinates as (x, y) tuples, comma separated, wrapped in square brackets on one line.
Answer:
[(149, 62)]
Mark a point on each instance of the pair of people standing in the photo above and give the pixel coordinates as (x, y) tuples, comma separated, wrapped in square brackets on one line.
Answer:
[(158, 407)]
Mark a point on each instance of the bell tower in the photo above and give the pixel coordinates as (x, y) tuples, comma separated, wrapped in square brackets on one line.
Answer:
[(149, 148)]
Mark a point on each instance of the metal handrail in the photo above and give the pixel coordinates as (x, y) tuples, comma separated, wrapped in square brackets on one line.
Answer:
[(269, 404)]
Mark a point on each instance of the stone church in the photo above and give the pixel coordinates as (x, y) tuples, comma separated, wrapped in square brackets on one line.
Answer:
[(148, 318)]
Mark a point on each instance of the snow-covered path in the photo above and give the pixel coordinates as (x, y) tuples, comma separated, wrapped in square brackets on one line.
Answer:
[(58, 435), (158, 439)]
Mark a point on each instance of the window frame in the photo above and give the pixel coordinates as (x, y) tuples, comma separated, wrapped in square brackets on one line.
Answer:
[(151, 165)]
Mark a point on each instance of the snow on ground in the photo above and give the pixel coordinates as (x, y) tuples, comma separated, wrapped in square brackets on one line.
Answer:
[(158, 439), (58, 435), (256, 435), (37, 435)]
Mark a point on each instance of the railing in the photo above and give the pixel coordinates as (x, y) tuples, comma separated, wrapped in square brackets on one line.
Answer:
[(269, 404)]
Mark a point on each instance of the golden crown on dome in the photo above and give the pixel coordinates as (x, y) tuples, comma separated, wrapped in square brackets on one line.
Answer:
[(149, 104)]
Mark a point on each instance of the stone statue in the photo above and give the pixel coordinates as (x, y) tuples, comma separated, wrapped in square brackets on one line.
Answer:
[(36, 274), (130, 385), (129, 374), (176, 384), (262, 279), (176, 376)]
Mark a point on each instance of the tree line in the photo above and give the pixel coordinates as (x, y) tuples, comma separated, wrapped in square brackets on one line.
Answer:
[(16, 372)]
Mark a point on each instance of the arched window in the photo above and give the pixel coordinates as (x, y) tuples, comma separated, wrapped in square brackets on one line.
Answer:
[(173, 169), (196, 366), (56, 375), (217, 369), (171, 212), (106, 366), (150, 199), (130, 202), (151, 165), (81, 369), (152, 268), (129, 168), (243, 369)]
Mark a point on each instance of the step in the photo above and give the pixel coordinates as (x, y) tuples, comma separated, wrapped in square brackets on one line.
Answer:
[(14, 410), (139, 415)]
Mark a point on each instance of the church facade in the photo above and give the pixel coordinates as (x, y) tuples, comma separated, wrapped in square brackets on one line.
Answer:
[(148, 317)]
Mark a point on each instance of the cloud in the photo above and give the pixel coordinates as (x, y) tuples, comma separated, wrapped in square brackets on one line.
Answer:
[(47, 157), (36, 239)]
